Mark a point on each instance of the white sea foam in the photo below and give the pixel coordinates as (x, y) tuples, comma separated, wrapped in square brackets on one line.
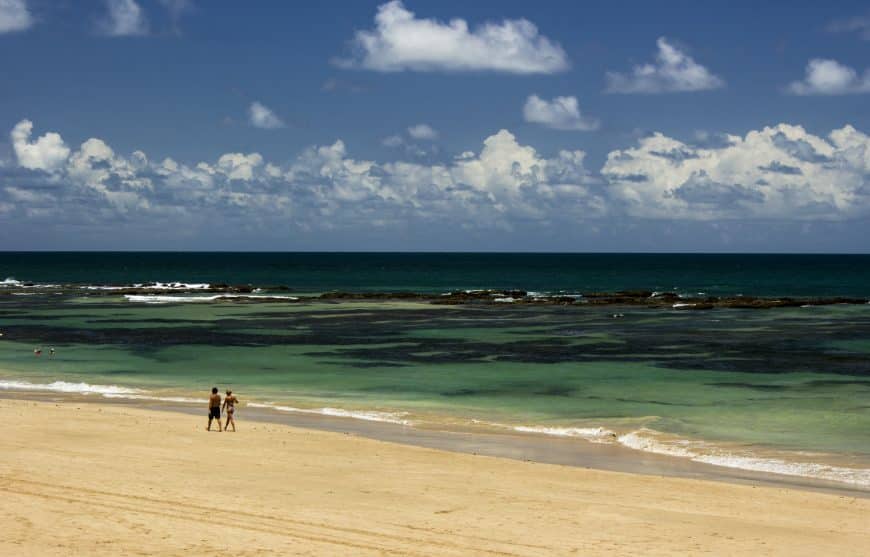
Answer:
[(593, 434), (180, 286), (11, 282), (106, 391), (856, 476), (66, 387), (653, 442), (168, 299), (508, 300), (175, 299), (644, 440), (105, 287), (683, 305), (152, 286), (367, 415), (182, 399)]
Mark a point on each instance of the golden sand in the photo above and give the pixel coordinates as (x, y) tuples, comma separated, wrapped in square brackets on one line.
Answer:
[(90, 479)]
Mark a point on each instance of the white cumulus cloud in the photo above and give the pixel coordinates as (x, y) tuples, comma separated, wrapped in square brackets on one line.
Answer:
[(125, 18), (561, 113), (238, 166), (829, 77), (779, 172), (261, 116), (423, 131), (673, 71), (401, 41), (97, 170), (47, 153), (323, 186), (14, 16)]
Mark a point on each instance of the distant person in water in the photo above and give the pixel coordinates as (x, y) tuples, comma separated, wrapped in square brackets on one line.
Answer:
[(37, 351), (214, 409), (51, 352), (230, 407)]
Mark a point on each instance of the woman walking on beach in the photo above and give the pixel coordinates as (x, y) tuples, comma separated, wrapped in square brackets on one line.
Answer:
[(230, 407)]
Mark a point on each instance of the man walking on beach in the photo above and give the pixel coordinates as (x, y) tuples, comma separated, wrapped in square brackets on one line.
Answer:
[(214, 409)]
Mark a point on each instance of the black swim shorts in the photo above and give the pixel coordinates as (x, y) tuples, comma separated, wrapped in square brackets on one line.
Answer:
[(215, 412)]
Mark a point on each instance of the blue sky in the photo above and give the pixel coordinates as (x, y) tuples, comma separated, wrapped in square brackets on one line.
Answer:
[(618, 126)]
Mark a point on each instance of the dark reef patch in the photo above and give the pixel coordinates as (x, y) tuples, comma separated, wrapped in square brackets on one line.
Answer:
[(784, 341)]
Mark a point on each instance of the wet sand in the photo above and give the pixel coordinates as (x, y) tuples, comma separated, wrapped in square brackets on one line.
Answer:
[(105, 479), (497, 442)]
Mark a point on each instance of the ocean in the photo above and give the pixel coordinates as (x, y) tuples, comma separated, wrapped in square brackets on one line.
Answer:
[(784, 390), (760, 275)]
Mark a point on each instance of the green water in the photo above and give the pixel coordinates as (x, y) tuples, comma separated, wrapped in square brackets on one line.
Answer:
[(793, 379)]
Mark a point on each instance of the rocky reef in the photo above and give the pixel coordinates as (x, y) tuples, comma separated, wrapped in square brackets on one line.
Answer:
[(246, 293), (644, 298)]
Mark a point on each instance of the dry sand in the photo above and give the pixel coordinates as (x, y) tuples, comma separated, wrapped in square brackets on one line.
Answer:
[(86, 479)]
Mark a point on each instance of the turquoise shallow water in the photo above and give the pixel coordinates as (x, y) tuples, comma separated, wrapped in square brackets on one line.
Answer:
[(784, 390)]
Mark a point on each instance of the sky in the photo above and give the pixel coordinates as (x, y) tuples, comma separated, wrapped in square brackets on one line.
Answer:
[(422, 126)]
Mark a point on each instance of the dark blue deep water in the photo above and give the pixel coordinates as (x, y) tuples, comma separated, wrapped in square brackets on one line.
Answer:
[(715, 274)]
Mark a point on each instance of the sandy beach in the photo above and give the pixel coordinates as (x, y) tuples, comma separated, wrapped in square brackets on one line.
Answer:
[(91, 479)]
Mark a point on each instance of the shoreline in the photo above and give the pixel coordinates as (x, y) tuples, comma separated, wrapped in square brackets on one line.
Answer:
[(107, 479), (511, 443)]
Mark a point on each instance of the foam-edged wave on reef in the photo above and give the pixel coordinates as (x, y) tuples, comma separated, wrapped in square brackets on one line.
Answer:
[(182, 286), (177, 299)]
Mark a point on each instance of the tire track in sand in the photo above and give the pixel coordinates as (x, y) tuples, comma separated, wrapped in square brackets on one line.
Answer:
[(312, 531)]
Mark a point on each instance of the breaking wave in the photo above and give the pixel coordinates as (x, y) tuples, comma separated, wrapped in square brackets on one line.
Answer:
[(593, 434), (151, 286), (173, 299), (67, 387), (651, 441), (11, 282), (106, 391), (367, 415)]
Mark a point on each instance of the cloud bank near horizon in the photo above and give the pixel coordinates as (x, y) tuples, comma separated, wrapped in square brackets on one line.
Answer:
[(780, 172)]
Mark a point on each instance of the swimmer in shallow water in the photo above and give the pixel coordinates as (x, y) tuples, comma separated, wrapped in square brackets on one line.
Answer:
[(37, 351)]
